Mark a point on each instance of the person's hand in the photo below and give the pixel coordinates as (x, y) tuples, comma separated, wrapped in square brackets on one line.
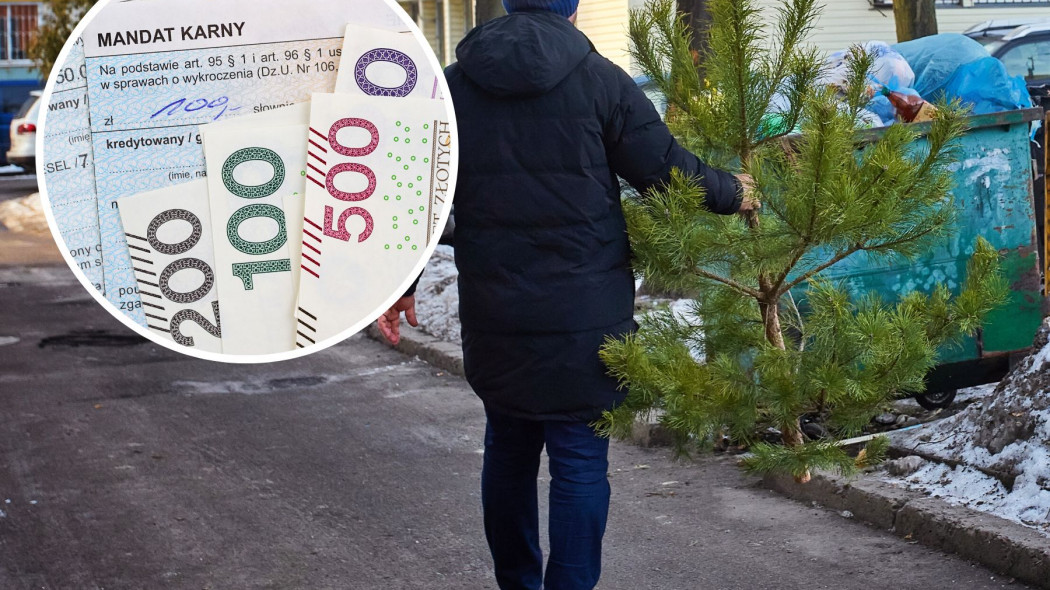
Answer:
[(750, 202), (389, 323)]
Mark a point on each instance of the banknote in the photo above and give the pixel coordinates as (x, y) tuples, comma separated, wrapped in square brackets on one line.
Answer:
[(156, 70), (172, 259), (68, 170), (385, 62), (253, 164), (293, 215), (377, 183)]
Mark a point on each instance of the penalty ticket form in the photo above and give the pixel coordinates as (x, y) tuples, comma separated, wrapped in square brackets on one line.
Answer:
[(158, 69)]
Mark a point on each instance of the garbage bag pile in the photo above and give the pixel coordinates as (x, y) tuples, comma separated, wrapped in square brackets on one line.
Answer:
[(890, 73), (907, 79), (956, 66)]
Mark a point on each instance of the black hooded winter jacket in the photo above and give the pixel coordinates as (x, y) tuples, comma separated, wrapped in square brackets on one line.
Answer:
[(545, 126)]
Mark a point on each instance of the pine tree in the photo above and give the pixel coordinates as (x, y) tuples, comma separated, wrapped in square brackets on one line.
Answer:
[(776, 339)]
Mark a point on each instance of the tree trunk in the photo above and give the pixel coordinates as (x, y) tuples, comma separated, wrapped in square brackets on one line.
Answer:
[(792, 437), (699, 20), (771, 316), (768, 304), (915, 19), (486, 10), (790, 434)]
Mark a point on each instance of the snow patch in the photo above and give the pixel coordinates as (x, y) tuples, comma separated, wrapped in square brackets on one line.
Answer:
[(24, 215), (437, 297), (1005, 437)]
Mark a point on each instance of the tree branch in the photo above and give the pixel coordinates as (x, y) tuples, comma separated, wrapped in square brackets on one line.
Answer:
[(729, 283), (809, 274), (852, 249), (902, 240), (787, 269)]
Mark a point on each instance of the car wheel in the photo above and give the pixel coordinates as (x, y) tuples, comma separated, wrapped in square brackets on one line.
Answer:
[(936, 401)]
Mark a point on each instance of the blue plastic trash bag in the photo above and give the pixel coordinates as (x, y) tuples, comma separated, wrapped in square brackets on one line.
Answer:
[(955, 66), (880, 105), (987, 88), (934, 59)]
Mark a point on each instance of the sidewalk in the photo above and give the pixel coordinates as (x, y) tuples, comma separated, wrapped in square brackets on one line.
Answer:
[(25, 239), (1003, 546), (129, 466)]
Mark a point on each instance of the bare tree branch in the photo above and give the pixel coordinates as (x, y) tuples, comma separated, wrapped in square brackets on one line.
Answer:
[(729, 283), (808, 275)]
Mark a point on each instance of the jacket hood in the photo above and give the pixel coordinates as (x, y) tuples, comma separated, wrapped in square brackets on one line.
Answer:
[(523, 53)]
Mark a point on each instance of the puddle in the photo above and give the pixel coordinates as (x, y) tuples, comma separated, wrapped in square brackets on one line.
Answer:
[(288, 382), (101, 338), (262, 386), (77, 300), (251, 387)]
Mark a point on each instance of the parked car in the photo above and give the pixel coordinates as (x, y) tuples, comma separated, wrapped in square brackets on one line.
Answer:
[(23, 134), (994, 30), (1025, 51)]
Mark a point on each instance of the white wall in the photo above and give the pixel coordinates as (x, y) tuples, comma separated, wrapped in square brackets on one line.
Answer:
[(605, 24), (845, 22)]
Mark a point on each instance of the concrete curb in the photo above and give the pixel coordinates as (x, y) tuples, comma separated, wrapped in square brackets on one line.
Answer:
[(996, 543), (415, 342)]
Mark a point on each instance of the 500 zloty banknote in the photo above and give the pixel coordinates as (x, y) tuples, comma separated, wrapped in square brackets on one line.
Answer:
[(377, 183)]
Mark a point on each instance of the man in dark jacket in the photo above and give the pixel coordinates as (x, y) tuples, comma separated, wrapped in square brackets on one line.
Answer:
[(545, 126)]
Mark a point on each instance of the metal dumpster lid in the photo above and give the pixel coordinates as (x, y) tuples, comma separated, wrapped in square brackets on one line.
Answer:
[(998, 119)]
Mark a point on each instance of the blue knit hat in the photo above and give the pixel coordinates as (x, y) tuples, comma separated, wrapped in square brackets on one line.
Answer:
[(565, 8)]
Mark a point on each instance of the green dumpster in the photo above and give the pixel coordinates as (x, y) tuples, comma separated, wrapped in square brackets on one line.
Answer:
[(994, 196)]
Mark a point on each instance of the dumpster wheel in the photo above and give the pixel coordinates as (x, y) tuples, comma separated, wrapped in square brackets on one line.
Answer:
[(936, 401)]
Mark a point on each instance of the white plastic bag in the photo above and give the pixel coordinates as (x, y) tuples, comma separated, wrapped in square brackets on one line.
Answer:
[(890, 69)]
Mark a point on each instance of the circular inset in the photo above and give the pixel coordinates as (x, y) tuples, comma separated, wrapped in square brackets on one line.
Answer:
[(228, 199)]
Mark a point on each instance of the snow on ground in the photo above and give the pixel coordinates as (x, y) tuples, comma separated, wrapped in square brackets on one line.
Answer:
[(24, 215), (1006, 436), (437, 297)]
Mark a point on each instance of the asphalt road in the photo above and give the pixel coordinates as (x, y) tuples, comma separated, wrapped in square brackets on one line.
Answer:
[(124, 465)]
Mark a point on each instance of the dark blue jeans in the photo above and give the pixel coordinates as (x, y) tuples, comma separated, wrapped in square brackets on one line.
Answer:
[(579, 502)]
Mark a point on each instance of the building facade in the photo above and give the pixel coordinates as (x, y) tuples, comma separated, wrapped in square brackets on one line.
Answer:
[(446, 22), (845, 22), (19, 22)]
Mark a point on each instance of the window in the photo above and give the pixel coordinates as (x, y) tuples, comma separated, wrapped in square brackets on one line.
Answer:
[(1031, 60), (18, 25)]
